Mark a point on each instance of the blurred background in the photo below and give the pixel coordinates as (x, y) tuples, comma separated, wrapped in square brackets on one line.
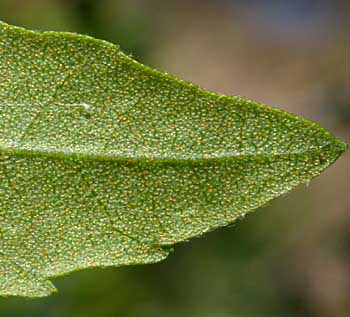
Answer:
[(290, 258)]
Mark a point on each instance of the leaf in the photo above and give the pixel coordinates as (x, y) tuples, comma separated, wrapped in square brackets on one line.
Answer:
[(106, 162)]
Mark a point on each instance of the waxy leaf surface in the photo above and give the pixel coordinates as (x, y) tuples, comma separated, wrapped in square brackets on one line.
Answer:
[(106, 162)]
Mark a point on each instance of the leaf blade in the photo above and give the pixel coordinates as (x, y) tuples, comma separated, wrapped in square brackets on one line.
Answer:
[(104, 161)]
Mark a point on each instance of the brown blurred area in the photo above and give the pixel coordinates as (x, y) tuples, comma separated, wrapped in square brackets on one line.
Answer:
[(290, 258)]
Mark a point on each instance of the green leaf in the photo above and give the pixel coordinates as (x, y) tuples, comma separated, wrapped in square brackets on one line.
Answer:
[(106, 162)]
